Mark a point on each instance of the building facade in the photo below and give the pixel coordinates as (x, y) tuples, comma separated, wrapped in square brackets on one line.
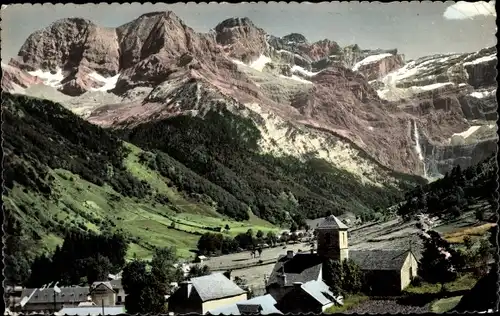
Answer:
[(201, 294), (103, 294), (386, 271)]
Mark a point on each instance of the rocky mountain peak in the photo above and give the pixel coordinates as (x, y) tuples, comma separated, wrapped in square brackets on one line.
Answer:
[(360, 96), (241, 39), (295, 38), (234, 22), (167, 14)]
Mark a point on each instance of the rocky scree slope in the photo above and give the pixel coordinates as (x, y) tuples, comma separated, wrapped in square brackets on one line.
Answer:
[(305, 98)]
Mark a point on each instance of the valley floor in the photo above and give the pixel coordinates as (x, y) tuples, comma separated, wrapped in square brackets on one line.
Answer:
[(393, 234)]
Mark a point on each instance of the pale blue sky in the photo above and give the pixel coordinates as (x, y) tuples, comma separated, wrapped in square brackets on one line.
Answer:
[(415, 28)]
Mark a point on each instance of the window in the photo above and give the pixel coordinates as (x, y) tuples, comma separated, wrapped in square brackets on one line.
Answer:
[(119, 299)]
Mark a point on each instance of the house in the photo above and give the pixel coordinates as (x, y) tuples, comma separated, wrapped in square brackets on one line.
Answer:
[(120, 293), (292, 268), (200, 259), (205, 293), (13, 296), (102, 293), (387, 271), (46, 300), (262, 305), (313, 296), (91, 311)]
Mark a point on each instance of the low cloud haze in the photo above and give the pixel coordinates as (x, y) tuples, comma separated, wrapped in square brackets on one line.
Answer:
[(467, 10)]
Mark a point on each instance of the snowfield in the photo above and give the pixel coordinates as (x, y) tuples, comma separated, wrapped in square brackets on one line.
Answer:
[(369, 60), (260, 63), (109, 83), (483, 94), (48, 78), (482, 60)]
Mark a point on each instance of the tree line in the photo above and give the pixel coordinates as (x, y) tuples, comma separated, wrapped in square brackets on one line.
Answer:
[(83, 258), (442, 263), (455, 192)]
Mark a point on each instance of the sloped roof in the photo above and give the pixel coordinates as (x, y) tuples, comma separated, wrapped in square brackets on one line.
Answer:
[(215, 286), (67, 295), (332, 222), (92, 311), (303, 267), (266, 303), (106, 284), (379, 259), (116, 284), (249, 309), (319, 291)]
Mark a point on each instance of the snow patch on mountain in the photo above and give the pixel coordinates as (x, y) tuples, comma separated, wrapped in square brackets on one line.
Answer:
[(481, 60), (303, 71), (109, 83), (260, 63), (468, 132), (370, 59), (392, 93), (433, 86), (49, 78), (483, 94), (296, 78)]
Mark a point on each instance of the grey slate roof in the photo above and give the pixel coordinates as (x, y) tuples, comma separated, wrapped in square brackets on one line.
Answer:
[(379, 259), (249, 309), (319, 291), (67, 295), (266, 303), (106, 284), (215, 286), (303, 267), (332, 222), (96, 310), (116, 284)]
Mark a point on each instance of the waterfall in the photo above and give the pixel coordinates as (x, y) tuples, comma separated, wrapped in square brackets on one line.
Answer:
[(418, 148)]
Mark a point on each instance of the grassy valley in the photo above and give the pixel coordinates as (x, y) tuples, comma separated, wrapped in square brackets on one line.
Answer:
[(162, 183), (62, 172)]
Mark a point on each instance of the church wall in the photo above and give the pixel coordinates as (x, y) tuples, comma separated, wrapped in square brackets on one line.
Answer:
[(408, 271), (382, 282), (333, 244)]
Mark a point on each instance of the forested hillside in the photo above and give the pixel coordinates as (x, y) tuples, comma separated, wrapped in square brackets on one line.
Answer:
[(456, 192), (62, 173), (222, 148), (187, 176)]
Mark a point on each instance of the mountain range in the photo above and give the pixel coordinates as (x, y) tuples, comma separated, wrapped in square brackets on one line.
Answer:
[(234, 123)]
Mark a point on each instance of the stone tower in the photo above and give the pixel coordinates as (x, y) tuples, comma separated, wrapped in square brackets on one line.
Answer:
[(332, 239)]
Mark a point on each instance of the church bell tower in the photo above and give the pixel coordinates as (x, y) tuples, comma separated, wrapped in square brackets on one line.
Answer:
[(332, 239)]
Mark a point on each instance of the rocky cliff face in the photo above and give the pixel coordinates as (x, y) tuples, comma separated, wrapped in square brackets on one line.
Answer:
[(365, 110)]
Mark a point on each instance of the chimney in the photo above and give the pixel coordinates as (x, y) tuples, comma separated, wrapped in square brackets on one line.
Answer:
[(283, 279), (186, 286), (289, 254)]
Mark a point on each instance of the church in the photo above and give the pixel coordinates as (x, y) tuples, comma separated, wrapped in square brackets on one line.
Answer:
[(386, 271)]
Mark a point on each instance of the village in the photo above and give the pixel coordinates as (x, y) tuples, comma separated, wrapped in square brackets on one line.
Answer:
[(278, 279)]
